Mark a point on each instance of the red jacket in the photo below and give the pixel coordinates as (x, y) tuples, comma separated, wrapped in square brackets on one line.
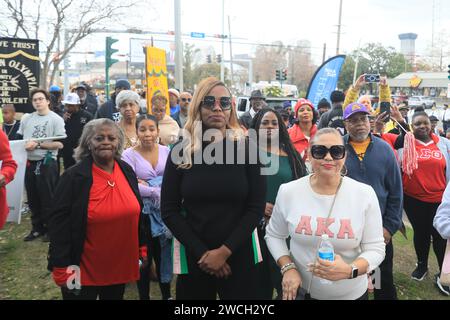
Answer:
[(8, 170), (300, 142)]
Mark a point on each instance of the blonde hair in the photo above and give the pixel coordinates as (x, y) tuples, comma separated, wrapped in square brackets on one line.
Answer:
[(194, 116)]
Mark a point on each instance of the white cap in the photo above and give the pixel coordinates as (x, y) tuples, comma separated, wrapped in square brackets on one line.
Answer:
[(71, 98), (174, 92), (325, 236)]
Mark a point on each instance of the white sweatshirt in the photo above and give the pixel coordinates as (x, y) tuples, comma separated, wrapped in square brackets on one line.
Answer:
[(355, 229)]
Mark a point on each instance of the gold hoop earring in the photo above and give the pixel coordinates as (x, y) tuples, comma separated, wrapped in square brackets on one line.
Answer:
[(344, 173)]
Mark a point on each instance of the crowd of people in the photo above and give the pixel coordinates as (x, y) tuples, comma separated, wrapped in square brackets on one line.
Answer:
[(180, 191)]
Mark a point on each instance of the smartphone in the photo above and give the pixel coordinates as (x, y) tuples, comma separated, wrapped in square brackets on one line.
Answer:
[(370, 78), (385, 107)]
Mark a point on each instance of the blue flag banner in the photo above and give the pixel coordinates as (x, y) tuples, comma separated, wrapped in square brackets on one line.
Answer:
[(325, 79)]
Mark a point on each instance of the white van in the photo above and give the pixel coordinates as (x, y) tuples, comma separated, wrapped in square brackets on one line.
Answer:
[(243, 103)]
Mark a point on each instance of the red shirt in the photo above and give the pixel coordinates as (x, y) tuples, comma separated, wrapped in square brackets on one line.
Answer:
[(111, 248), (8, 169), (428, 182)]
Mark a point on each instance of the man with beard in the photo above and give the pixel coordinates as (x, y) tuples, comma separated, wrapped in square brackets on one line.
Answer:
[(256, 103)]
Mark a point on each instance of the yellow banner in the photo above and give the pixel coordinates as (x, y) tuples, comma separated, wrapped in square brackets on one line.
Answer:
[(156, 76)]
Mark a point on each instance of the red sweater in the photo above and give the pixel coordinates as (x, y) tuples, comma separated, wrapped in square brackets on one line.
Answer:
[(8, 170), (299, 140)]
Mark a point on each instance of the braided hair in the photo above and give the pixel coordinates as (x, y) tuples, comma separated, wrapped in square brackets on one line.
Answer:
[(296, 162)]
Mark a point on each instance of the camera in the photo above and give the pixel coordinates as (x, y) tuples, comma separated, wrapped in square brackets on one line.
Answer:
[(372, 78)]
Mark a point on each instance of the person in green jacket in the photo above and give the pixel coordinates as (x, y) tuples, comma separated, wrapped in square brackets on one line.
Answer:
[(275, 149)]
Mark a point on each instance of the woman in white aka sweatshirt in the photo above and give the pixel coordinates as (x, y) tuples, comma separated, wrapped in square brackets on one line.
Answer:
[(325, 202)]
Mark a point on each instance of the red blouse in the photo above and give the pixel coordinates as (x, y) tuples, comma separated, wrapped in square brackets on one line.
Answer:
[(111, 248), (8, 170)]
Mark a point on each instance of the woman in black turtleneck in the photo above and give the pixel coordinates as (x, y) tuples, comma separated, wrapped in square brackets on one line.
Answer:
[(212, 203)]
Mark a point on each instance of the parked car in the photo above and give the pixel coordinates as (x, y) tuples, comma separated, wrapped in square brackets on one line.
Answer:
[(399, 99), (243, 103), (421, 101)]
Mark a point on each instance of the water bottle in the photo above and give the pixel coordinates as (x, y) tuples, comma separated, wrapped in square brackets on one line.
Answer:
[(326, 252)]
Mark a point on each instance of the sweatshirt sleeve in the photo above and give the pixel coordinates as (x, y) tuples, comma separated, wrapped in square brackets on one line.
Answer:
[(277, 230), (171, 206), (372, 242), (442, 219), (256, 201), (8, 166), (350, 97), (392, 219)]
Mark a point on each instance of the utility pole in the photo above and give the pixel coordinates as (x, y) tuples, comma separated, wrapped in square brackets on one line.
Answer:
[(222, 67), (339, 29), (178, 48), (324, 52), (66, 63), (231, 52)]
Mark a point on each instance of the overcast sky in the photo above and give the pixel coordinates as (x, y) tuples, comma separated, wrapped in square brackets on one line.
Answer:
[(264, 21)]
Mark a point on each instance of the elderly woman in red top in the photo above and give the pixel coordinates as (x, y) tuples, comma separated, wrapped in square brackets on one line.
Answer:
[(304, 127), (7, 172), (96, 219)]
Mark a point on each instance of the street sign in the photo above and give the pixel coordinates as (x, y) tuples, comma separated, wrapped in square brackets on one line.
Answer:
[(197, 35)]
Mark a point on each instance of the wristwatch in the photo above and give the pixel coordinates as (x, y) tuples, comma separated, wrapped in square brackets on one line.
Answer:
[(354, 273), (38, 145)]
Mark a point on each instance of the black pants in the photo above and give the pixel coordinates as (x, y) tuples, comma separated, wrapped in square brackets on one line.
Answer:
[(388, 290), (268, 272), (40, 183), (421, 215), (154, 253), (241, 285), (68, 160), (114, 292)]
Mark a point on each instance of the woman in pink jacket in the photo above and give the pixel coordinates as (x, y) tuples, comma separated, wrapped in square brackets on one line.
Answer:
[(7, 172), (305, 127)]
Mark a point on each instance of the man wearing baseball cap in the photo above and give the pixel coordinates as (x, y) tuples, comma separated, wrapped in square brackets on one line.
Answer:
[(75, 119), (371, 160)]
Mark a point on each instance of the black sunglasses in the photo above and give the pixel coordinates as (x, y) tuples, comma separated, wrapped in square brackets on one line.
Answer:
[(186, 99), (319, 152), (210, 101)]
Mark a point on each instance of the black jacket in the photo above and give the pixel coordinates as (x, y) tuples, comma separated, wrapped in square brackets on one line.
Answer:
[(68, 218), (109, 110), (246, 120)]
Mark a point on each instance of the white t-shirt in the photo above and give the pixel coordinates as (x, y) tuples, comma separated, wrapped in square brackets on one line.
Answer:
[(355, 229), (36, 126)]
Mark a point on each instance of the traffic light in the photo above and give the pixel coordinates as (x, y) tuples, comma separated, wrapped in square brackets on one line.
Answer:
[(208, 58), (109, 61), (278, 74), (219, 58), (284, 75), (449, 72)]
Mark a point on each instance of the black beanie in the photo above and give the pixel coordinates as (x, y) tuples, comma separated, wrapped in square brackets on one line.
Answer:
[(337, 96), (323, 103)]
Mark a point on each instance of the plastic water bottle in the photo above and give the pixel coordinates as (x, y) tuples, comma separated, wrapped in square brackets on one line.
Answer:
[(326, 252)]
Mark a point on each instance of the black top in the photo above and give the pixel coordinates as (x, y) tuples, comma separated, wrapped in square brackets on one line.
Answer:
[(69, 213), (11, 130), (109, 110), (74, 127), (223, 203)]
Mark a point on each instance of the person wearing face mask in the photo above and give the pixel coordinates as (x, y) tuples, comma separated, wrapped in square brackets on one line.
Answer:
[(96, 222), (425, 162), (148, 160), (256, 104), (342, 208)]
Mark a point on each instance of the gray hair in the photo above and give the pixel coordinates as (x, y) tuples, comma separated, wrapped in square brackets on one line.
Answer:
[(324, 131), (127, 95), (90, 129)]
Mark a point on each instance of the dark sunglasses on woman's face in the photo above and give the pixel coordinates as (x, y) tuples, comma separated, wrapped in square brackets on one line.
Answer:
[(319, 152), (186, 99), (210, 101)]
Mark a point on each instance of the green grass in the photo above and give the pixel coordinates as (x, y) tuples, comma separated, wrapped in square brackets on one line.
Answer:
[(24, 276)]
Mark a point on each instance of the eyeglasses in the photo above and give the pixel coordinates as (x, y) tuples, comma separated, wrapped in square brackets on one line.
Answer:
[(336, 152), (210, 101), (186, 99), (355, 120)]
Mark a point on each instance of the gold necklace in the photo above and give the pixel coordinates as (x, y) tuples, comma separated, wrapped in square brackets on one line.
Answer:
[(10, 130)]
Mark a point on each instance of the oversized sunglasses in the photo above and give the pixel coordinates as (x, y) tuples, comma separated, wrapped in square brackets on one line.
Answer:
[(186, 99), (336, 152), (210, 101)]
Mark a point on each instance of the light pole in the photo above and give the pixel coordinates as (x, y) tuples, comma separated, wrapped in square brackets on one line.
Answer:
[(339, 29), (222, 67), (178, 48)]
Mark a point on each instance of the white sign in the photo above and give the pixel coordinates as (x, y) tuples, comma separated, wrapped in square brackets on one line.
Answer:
[(14, 190)]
